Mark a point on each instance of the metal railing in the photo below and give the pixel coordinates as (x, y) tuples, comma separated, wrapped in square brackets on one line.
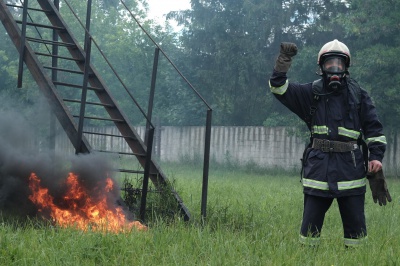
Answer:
[(89, 40)]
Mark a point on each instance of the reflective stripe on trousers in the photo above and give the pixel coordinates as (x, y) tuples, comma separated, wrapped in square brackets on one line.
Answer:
[(348, 242), (344, 185), (355, 242), (309, 241)]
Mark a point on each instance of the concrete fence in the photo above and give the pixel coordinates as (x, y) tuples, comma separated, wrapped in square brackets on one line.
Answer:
[(266, 147), (263, 146)]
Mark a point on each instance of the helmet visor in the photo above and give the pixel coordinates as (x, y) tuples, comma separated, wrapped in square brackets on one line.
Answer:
[(334, 65)]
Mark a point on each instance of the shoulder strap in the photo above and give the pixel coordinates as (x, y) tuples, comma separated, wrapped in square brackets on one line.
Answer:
[(310, 120), (317, 90), (355, 91)]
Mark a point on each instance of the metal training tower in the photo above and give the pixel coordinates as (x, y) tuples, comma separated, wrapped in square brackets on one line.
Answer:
[(43, 57)]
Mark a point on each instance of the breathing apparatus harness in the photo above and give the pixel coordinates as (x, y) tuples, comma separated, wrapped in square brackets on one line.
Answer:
[(354, 91)]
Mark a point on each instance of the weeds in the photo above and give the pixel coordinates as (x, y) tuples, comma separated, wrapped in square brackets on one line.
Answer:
[(252, 219)]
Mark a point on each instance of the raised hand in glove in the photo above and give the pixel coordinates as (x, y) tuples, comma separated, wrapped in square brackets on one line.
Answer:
[(377, 183), (284, 60)]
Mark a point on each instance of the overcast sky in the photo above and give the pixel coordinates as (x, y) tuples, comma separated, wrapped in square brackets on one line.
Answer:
[(158, 8)]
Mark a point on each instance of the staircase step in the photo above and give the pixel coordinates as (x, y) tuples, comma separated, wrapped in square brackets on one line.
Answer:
[(37, 40), (90, 103), (76, 86), (129, 171), (121, 153), (107, 135), (60, 57), (64, 70), (38, 25), (102, 119), (30, 8), (132, 172)]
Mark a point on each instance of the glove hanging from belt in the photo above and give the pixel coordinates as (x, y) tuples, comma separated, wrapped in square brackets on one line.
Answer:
[(380, 192)]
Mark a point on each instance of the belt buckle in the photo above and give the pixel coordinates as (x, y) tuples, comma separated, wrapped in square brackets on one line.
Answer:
[(326, 146)]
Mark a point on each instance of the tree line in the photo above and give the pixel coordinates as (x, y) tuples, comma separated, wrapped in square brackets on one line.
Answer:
[(227, 49)]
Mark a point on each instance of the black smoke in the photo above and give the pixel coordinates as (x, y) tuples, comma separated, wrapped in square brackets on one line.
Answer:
[(20, 156)]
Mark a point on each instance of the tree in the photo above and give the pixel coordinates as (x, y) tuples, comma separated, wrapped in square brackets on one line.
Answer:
[(232, 46), (374, 31)]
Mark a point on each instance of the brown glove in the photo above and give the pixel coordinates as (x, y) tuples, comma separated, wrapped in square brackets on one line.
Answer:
[(284, 60), (380, 192)]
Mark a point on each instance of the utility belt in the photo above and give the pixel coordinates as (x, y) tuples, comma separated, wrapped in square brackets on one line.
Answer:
[(326, 145)]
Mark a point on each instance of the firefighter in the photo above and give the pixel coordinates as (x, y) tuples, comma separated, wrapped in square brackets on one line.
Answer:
[(341, 117)]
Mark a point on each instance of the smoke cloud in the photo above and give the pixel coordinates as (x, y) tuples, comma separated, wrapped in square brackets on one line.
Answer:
[(19, 157)]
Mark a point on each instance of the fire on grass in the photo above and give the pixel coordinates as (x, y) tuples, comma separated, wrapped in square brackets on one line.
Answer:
[(80, 208)]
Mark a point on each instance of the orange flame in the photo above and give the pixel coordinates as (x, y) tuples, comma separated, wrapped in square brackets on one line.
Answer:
[(79, 209)]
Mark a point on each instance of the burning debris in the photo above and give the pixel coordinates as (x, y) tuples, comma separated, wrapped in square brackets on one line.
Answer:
[(76, 207), (74, 192)]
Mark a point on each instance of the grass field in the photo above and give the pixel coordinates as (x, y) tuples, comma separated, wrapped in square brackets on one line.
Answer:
[(252, 219)]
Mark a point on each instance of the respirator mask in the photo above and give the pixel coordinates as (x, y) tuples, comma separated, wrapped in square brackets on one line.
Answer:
[(334, 70)]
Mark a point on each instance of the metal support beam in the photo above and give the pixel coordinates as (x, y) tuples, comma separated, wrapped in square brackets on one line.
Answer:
[(145, 186), (88, 18), (87, 48), (22, 44), (206, 165), (152, 91), (54, 77), (83, 97)]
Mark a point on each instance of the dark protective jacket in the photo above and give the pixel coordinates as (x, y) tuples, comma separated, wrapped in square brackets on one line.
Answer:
[(338, 118)]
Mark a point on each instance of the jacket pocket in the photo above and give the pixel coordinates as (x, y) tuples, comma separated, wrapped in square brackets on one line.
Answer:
[(351, 167), (313, 167)]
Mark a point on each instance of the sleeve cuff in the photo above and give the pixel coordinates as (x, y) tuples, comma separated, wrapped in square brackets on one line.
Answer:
[(373, 157)]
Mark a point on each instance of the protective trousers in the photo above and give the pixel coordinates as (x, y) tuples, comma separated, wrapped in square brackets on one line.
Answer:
[(351, 211)]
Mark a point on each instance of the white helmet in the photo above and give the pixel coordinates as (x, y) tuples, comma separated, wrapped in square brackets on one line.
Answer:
[(334, 48)]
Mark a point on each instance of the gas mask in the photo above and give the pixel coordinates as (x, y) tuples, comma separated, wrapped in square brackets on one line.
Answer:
[(334, 70)]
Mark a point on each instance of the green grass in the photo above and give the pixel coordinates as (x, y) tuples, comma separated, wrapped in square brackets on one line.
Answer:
[(252, 219)]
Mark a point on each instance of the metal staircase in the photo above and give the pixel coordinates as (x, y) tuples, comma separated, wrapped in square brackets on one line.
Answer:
[(44, 66)]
